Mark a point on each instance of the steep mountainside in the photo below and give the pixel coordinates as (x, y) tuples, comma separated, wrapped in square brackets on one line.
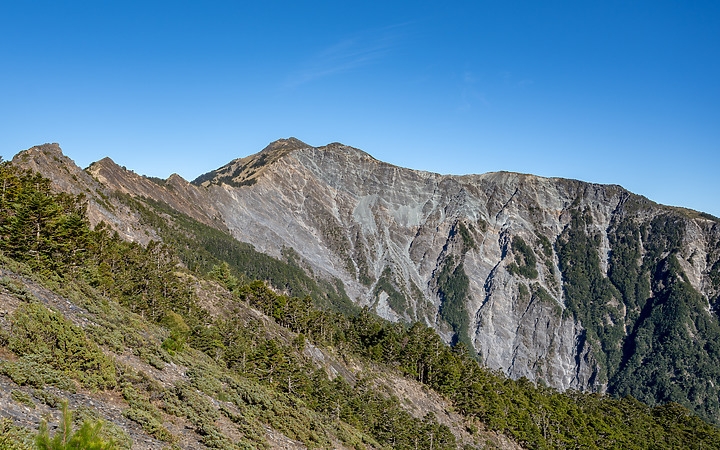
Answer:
[(166, 356), (573, 284)]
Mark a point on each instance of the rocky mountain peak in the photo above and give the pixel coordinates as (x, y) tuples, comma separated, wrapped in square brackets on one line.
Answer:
[(49, 160), (42, 152), (103, 165), (106, 169), (246, 171), (290, 143), (338, 148), (48, 148), (175, 178)]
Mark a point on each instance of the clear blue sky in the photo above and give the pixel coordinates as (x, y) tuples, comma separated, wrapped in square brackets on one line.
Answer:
[(621, 92)]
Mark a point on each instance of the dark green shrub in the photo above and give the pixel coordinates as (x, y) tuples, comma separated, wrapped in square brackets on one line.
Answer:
[(468, 241), (453, 284), (13, 437), (179, 331), (22, 397), (61, 345), (145, 414), (47, 397), (525, 259), (32, 370)]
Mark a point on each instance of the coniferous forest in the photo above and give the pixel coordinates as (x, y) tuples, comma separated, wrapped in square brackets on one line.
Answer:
[(247, 349)]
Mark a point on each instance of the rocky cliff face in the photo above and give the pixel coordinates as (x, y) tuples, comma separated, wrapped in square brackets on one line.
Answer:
[(439, 249), (551, 279)]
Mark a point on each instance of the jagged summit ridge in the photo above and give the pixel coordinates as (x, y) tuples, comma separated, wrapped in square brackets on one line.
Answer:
[(247, 170), (285, 144), (41, 153)]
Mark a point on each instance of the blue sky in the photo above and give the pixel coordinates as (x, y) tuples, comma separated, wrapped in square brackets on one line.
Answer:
[(619, 92)]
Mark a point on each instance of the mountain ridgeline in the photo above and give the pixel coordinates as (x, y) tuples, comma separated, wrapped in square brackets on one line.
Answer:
[(571, 285)]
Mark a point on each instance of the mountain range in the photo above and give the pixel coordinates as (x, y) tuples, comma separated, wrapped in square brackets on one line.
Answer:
[(568, 284)]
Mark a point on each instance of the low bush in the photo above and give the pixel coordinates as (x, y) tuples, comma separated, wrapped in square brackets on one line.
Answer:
[(60, 344)]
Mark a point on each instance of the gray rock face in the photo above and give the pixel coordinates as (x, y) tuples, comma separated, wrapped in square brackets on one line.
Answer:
[(444, 250), (355, 218), (381, 228)]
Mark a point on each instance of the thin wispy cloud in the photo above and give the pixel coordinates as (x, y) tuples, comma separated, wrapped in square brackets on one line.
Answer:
[(510, 79), (473, 89), (469, 78), (470, 97), (348, 54), (470, 93)]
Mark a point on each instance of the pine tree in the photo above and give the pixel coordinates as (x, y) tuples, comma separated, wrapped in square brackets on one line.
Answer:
[(87, 437)]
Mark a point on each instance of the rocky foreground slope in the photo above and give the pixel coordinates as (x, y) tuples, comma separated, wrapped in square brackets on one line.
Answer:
[(567, 283)]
